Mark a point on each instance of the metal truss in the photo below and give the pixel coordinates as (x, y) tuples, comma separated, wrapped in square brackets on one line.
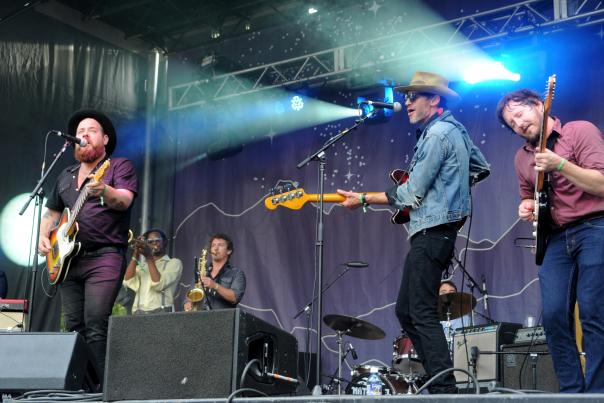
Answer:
[(336, 63)]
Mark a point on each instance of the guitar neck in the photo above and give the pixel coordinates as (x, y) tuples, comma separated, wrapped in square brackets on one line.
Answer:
[(78, 206), (330, 197)]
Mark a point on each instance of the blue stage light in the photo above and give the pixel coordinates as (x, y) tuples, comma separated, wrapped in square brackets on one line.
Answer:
[(487, 71)]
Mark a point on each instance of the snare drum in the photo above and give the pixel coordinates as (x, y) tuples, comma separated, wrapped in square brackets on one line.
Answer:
[(404, 358), (392, 383)]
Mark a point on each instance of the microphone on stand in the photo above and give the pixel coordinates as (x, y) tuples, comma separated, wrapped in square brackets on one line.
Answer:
[(485, 296), (395, 106), (356, 264), (353, 352), (72, 139)]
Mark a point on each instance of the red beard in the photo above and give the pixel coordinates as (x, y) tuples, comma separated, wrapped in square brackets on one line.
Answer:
[(89, 153)]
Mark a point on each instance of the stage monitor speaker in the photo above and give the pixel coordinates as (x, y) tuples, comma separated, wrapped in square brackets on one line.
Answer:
[(36, 361), (475, 342), (186, 355), (537, 370)]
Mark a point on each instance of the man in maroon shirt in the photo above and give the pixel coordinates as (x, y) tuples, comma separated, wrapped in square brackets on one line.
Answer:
[(95, 273), (573, 266)]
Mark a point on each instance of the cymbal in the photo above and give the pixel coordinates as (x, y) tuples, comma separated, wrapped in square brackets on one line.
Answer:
[(457, 303), (354, 327)]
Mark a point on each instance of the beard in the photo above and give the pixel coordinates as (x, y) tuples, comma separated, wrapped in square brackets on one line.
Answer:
[(89, 153)]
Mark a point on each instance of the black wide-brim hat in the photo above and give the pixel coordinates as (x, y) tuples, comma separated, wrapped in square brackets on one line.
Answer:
[(100, 117)]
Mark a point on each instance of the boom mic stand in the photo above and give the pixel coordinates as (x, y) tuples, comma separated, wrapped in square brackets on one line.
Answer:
[(38, 194), (474, 285), (319, 156)]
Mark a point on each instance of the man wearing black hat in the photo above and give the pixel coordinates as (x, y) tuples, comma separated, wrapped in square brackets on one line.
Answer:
[(95, 273), (437, 194)]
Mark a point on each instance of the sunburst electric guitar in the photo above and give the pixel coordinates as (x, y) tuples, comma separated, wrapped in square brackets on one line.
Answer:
[(542, 200), (296, 198), (63, 245)]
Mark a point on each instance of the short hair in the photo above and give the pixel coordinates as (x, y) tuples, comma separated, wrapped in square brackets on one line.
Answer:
[(450, 282), (162, 234), (224, 237), (524, 96)]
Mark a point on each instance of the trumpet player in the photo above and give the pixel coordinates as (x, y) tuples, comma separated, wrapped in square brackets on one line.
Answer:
[(224, 283), (152, 274)]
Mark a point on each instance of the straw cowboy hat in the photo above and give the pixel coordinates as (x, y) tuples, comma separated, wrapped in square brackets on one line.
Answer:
[(100, 117), (430, 83)]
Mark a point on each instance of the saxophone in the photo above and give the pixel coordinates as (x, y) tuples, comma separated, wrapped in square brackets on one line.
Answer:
[(197, 294)]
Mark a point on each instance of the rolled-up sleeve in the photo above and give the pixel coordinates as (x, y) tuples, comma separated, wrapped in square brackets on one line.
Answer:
[(169, 275), (238, 284)]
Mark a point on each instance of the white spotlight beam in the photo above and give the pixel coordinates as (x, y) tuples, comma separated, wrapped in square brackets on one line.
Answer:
[(340, 62)]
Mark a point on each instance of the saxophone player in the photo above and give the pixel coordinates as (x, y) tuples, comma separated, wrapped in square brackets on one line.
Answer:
[(152, 274), (224, 283)]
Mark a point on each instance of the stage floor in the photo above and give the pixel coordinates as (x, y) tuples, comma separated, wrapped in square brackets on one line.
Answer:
[(492, 398)]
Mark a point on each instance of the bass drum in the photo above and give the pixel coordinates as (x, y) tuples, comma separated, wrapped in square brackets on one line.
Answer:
[(392, 382)]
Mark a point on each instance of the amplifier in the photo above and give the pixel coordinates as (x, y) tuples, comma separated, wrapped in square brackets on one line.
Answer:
[(528, 366), (11, 314), (530, 334), (481, 344)]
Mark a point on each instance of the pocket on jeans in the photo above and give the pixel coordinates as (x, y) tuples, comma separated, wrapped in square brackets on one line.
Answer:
[(440, 248)]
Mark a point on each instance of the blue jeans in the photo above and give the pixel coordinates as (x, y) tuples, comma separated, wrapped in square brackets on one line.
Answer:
[(573, 271), (417, 302)]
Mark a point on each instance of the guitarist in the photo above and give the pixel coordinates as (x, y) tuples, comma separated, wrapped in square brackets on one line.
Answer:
[(573, 265), (437, 193), (95, 273)]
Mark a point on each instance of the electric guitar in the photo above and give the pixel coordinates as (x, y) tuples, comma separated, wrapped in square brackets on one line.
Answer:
[(296, 198), (62, 239), (542, 199)]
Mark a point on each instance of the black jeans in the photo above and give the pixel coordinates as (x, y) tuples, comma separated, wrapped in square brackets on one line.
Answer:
[(88, 294), (417, 303)]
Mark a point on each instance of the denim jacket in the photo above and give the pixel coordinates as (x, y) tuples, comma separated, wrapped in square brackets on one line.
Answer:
[(445, 164)]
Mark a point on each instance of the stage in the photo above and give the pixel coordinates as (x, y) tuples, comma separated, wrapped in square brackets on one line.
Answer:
[(512, 398)]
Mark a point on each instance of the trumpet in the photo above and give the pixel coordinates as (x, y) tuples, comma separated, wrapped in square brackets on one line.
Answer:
[(197, 293), (139, 242)]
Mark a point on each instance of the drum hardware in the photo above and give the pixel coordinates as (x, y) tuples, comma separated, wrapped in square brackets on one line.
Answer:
[(347, 325), (455, 304)]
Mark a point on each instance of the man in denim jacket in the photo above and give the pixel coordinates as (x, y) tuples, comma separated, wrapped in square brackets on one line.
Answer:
[(437, 193)]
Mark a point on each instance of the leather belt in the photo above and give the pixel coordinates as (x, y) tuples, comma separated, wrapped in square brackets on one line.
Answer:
[(102, 250)]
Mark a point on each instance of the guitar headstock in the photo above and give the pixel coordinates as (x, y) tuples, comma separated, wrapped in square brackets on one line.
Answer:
[(549, 92), (287, 196), (98, 175)]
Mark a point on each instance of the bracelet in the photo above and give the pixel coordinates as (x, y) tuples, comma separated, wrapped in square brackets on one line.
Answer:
[(102, 202), (216, 286), (134, 259), (364, 203), (561, 165)]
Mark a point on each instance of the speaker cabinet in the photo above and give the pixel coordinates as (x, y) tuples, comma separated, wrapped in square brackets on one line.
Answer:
[(479, 343), (186, 355), (34, 361), (523, 371)]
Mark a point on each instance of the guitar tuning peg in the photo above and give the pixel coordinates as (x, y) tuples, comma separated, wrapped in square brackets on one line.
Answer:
[(288, 187), (271, 191), (278, 190)]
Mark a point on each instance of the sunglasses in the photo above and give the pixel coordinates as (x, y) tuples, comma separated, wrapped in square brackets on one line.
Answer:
[(412, 96), (154, 240)]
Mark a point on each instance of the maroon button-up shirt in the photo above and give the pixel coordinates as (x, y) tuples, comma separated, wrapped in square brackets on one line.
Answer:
[(581, 143)]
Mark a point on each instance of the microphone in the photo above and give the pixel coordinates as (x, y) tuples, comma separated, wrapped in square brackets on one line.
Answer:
[(353, 352), (396, 106), (356, 264), (81, 142), (485, 296)]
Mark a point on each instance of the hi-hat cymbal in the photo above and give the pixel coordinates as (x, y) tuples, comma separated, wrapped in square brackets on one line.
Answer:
[(456, 303), (354, 327)]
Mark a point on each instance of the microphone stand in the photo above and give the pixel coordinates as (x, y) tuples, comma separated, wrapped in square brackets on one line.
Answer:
[(307, 306), (473, 285), (319, 156), (37, 193)]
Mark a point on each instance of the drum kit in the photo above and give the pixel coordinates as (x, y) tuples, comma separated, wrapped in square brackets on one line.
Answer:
[(407, 373)]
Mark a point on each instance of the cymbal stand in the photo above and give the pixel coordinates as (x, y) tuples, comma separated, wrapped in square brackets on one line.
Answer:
[(449, 331), (337, 376)]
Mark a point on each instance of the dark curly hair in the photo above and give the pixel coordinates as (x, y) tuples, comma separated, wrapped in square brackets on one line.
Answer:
[(523, 96)]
